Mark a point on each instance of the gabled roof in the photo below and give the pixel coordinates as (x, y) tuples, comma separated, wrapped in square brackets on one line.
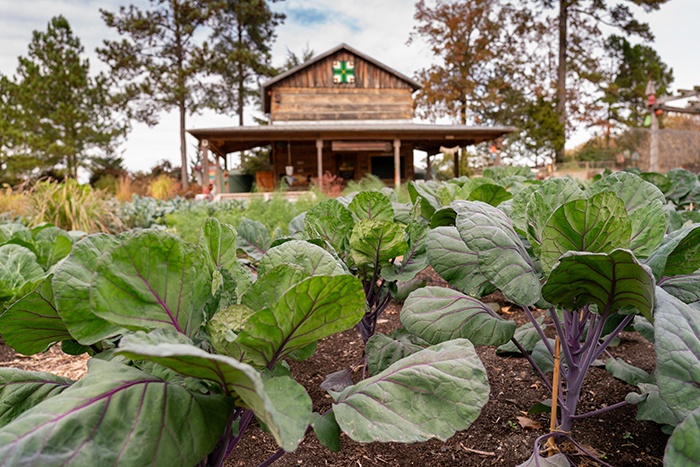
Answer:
[(343, 46)]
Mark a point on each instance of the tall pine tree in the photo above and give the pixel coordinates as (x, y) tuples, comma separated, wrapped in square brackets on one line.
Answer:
[(53, 111)]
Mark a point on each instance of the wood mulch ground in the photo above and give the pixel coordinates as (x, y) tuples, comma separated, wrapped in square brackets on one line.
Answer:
[(495, 438)]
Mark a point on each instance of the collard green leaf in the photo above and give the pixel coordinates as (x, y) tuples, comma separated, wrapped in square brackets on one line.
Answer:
[(314, 259), (438, 314), (455, 263), (152, 280), (548, 197), (526, 335), (660, 180), (32, 324), (609, 280), (402, 212), (272, 285), (281, 403), (682, 181), (685, 287), (371, 205), (219, 241), (296, 225), (650, 405), (644, 327), (311, 310), (677, 344), (443, 217), (414, 259), (376, 242), (535, 460), (71, 284), (253, 238), (224, 327), (21, 390), (598, 224), (103, 412), (17, 266), (623, 371), (678, 254), (644, 204), (331, 221), (518, 203), (427, 192), (490, 193), (683, 449), (382, 351), (15, 230), (53, 244), (401, 290), (501, 256), (430, 394), (327, 430)]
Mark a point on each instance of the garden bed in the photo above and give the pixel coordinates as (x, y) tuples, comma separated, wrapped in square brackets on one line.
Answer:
[(496, 438)]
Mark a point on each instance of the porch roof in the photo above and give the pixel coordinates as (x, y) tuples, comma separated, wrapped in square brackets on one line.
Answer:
[(423, 136)]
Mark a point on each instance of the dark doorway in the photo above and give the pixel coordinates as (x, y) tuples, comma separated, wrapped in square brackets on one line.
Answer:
[(383, 167)]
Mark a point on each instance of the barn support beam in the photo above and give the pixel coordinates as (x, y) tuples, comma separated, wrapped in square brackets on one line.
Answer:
[(319, 160), (397, 163), (218, 179), (205, 166)]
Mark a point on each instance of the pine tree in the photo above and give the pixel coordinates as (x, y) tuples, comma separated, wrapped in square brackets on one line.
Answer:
[(53, 111)]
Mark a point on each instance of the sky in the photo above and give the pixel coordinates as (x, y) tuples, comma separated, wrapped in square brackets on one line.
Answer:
[(379, 28)]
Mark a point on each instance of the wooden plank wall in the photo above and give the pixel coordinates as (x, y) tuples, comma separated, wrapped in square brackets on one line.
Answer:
[(310, 94)]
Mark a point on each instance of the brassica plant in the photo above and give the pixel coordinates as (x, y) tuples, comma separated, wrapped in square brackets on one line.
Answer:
[(188, 348)]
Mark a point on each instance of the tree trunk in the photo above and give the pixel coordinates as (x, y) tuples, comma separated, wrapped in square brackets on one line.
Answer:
[(183, 148), (561, 74)]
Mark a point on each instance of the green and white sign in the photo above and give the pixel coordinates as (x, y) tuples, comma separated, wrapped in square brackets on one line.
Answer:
[(343, 72)]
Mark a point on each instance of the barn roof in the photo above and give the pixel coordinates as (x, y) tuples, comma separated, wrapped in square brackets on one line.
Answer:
[(343, 46)]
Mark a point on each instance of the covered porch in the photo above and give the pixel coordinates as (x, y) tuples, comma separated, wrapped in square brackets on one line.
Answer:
[(301, 152)]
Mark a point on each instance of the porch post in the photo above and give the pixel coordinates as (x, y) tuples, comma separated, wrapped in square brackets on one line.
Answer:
[(217, 175), (319, 160), (205, 166), (397, 163), (456, 166)]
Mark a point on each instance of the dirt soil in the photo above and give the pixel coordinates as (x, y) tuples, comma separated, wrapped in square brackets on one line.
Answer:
[(495, 438)]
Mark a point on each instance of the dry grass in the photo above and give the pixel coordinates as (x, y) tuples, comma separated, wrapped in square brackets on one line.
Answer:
[(163, 187), (13, 203), (52, 361)]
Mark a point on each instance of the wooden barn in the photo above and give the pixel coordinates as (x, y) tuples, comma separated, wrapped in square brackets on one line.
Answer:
[(345, 113)]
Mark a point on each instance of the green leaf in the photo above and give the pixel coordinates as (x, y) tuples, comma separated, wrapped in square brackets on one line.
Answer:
[(224, 328), (623, 371), (443, 217), (285, 410), (376, 242), (427, 192), (677, 344), (53, 244), (414, 259), (519, 208), (609, 280), (501, 255), (682, 181), (21, 390), (32, 324), (331, 221), (438, 314), (402, 212), (526, 335), (314, 259), (271, 285), (311, 310), (296, 225), (598, 224), (17, 266), (71, 284), (455, 263), (644, 327), (660, 180), (490, 193), (117, 415), (645, 206), (72, 347), (382, 351), (686, 287), (219, 241), (371, 205), (683, 449), (535, 460), (327, 430), (650, 405), (16, 231), (401, 290), (152, 280), (253, 238), (430, 394), (679, 253)]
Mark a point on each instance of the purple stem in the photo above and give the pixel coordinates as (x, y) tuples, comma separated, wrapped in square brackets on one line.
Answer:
[(565, 343), (603, 410), (538, 328), (612, 336), (219, 458), (246, 417), (270, 460)]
